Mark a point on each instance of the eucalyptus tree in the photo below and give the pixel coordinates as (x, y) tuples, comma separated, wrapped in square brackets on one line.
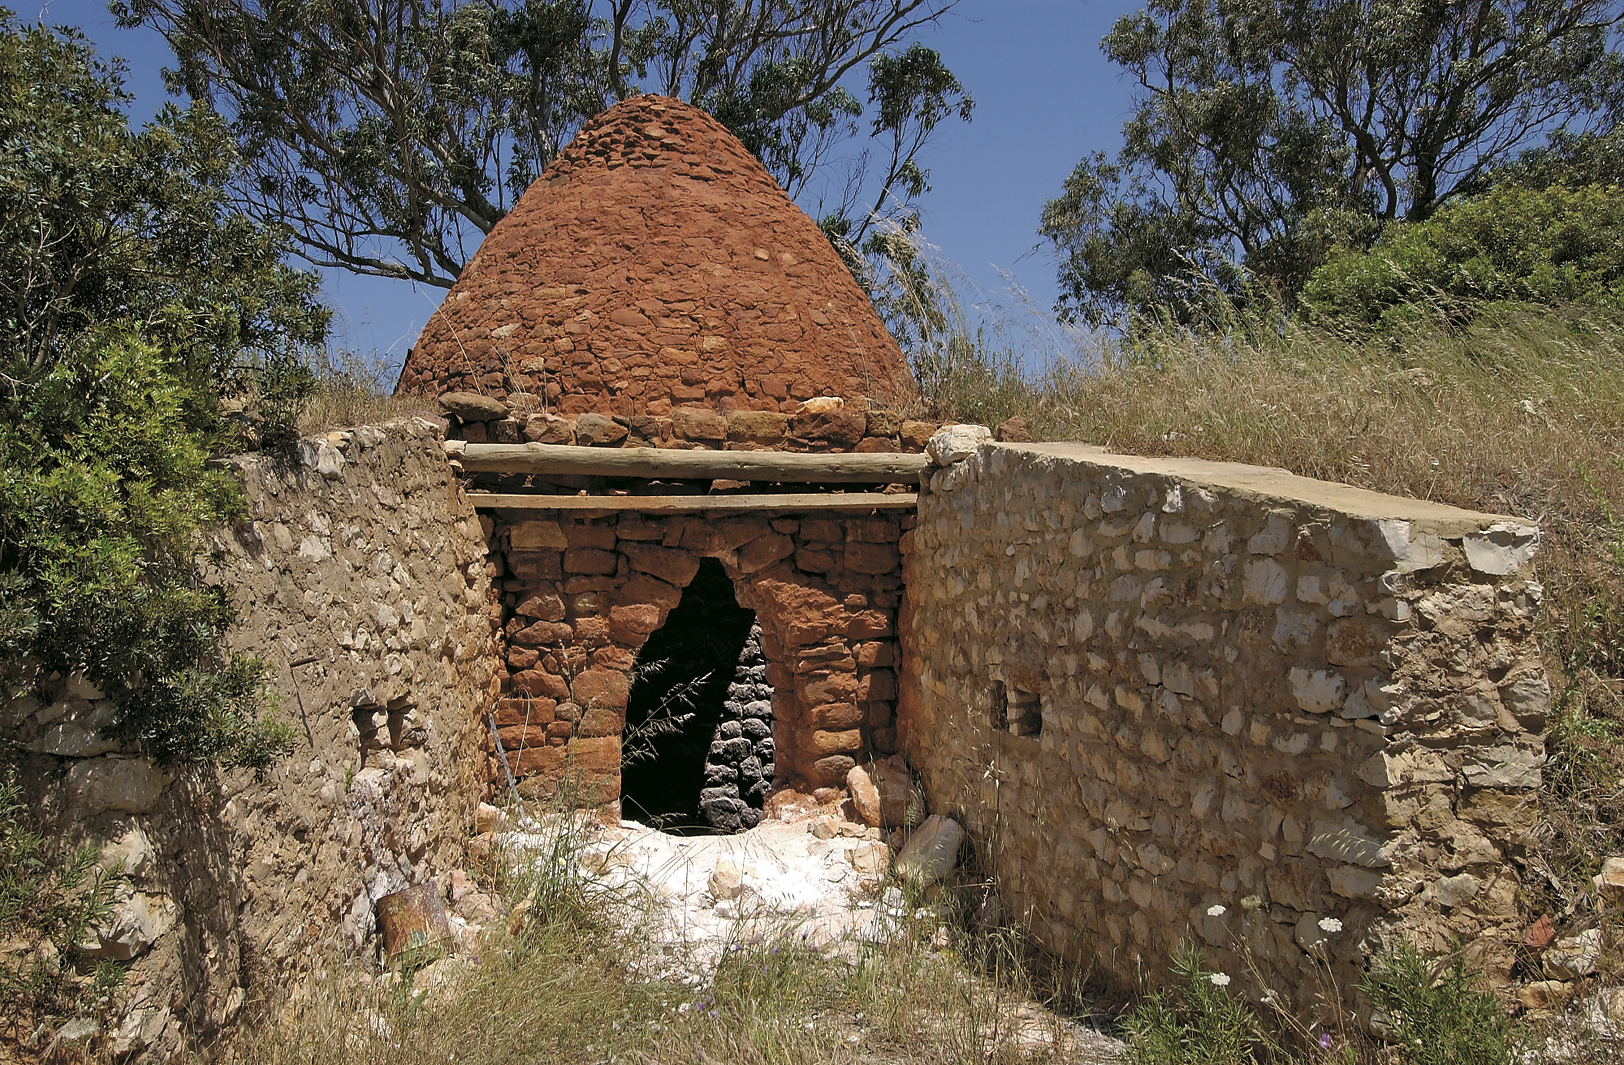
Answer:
[(391, 135), (1266, 132)]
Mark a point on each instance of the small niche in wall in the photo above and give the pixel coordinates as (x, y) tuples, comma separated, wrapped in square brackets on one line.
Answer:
[(1016, 710)]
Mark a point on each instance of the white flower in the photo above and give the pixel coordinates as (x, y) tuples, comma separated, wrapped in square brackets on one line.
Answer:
[(1330, 924), (1219, 979), (1215, 911), (1268, 998)]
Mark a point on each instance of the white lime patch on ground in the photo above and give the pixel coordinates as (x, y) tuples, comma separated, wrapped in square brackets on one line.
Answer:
[(789, 884)]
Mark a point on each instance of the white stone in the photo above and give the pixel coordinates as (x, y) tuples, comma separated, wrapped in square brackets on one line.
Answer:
[(1346, 841), (1456, 890), (1502, 548), (932, 849), (1353, 882), (1576, 956), (1275, 537), (726, 880), (955, 443), (488, 818), (1504, 767), (1411, 550), (133, 925), (1610, 881), (1266, 582), (132, 853), (1317, 690)]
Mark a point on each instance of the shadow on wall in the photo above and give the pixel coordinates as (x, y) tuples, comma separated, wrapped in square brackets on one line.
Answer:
[(679, 710)]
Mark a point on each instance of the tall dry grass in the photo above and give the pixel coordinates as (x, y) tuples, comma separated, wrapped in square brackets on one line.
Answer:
[(357, 388)]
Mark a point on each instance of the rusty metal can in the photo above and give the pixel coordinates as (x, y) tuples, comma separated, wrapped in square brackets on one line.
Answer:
[(413, 921)]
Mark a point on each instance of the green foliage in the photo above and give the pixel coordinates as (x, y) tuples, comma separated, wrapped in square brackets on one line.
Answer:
[(1437, 1012), (1266, 134), (45, 908), (1195, 1021), (131, 301), (392, 138), (1515, 244)]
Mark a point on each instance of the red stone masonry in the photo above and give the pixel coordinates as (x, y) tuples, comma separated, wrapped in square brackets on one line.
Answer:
[(655, 266), (581, 594)]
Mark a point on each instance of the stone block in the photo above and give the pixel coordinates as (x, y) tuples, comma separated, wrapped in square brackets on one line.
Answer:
[(643, 589), (764, 428), (871, 558), (955, 443), (597, 430), (915, 435), (542, 683), (600, 688), (668, 563), (864, 795), (543, 634), (836, 716), (840, 428), (543, 606), (762, 552), (931, 851), (689, 423), (584, 534), (549, 429), (840, 742), (473, 407), (830, 769), (633, 624), (127, 785)]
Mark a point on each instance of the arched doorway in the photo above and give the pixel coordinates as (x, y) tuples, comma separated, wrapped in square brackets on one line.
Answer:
[(698, 740)]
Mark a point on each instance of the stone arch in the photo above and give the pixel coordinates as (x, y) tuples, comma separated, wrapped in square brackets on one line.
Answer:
[(583, 592)]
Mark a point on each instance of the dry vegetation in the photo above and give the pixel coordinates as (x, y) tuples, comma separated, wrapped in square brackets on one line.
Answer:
[(357, 389), (581, 981)]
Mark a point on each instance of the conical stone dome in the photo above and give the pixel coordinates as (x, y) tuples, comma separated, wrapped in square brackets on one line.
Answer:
[(655, 264)]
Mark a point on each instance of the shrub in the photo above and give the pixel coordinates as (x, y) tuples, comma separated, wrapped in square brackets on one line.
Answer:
[(1514, 244), (1195, 1021), (1437, 1012), (134, 300)]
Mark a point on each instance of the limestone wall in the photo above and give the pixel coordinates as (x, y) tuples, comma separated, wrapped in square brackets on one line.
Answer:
[(360, 576), (1153, 688)]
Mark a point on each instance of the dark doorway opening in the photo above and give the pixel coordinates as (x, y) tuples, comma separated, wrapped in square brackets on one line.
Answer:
[(679, 770)]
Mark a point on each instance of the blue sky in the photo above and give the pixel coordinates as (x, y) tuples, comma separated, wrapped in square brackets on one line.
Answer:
[(1044, 95)]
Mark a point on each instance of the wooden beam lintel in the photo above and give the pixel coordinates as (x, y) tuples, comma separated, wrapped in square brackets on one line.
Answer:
[(848, 501)]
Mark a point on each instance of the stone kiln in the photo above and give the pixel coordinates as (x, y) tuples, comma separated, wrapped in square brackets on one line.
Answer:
[(1155, 693), (656, 288)]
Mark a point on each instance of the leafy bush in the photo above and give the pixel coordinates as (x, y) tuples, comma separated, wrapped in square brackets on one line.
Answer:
[(134, 301), (1515, 244), (1437, 1011)]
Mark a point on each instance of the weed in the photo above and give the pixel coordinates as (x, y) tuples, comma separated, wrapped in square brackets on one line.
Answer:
[(1436, 1010), (1194, 1021)]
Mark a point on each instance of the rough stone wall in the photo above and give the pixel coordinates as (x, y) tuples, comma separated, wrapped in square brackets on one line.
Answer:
[(830, 424), (739, 767), (360, 577), (656, 264), (581, 592), (1152, 688)]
